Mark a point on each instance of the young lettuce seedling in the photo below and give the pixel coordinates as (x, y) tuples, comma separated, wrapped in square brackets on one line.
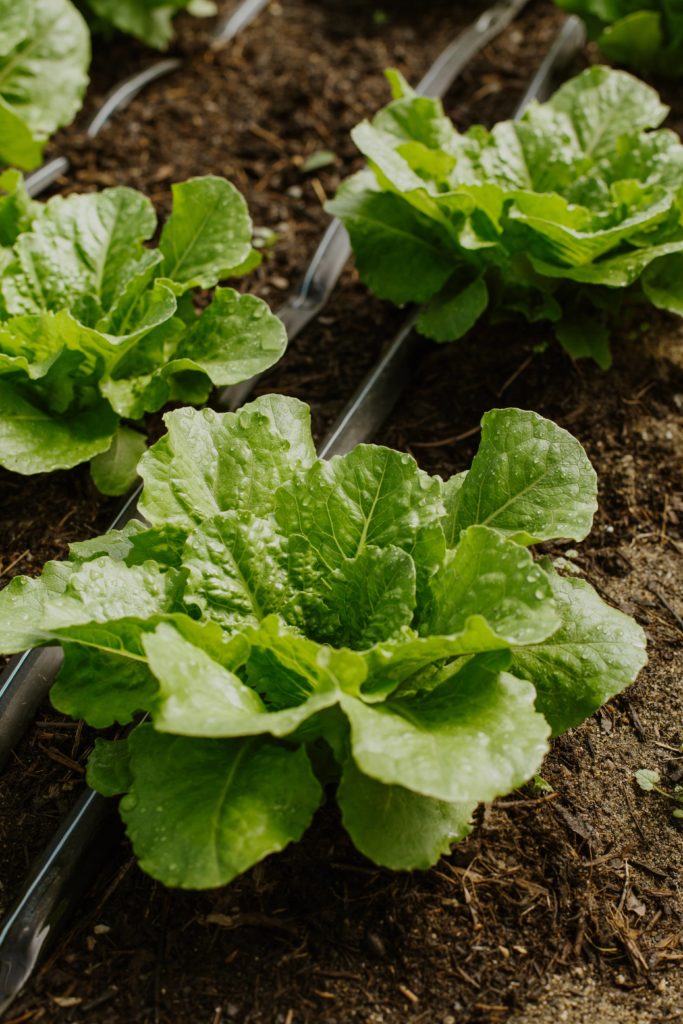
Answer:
[(649, 780), (564, 215), (96, 328), (288, 623)]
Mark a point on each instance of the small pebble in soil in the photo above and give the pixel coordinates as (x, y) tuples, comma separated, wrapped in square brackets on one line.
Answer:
[(376, 944)]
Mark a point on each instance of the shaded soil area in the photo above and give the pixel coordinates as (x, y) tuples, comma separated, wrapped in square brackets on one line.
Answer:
[(563, 905)]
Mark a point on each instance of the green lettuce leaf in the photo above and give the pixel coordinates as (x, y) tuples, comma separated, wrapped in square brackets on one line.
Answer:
[(197, 696), (109, 767), (44, 59), (491, 593), (208, 235), (106, 677), (17, 211), (73, 593), (596, 644), (470, 739), (115, 471), (210, 463), (529, 480), (33, 441), (370, 497), (103, 688), (16, 18), (397, 828), (225, 805)]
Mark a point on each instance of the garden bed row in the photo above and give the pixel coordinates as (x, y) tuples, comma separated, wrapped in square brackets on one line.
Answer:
[(570, 898)]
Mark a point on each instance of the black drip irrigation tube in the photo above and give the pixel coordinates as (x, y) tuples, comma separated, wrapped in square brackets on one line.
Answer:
[(76, 853)]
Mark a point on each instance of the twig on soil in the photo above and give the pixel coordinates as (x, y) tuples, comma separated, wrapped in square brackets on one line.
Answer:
[(527, 803), (625, 934), (324, 972), (646, 867), (580, 936), (466, 977), (574, 414), (639, 394), (514, 375), (100, 1000), (253, 920), (633, 817), (15, 562), (660, 597), (635, 721), (667, 746), (268, 137), (77, 740), (32, 1015), (60, 758), (665, 513), (87, 921), (447, 440), (317, 187), (408, 993), (624, 891)]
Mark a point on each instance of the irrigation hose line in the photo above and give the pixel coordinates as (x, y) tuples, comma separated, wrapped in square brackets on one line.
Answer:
[(60, 875)]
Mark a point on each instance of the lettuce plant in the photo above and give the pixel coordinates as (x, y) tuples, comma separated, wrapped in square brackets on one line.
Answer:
[(95, 328), (562, 216), (151, 21), (643, 34), (287, 624), (44, 60)]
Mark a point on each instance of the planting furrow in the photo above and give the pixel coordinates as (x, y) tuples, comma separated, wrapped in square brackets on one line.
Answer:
[(78, 849)]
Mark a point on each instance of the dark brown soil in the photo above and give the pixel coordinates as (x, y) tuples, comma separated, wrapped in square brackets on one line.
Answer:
[(560, 907)]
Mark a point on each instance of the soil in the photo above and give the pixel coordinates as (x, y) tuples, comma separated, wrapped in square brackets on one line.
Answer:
[(562, 905)]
